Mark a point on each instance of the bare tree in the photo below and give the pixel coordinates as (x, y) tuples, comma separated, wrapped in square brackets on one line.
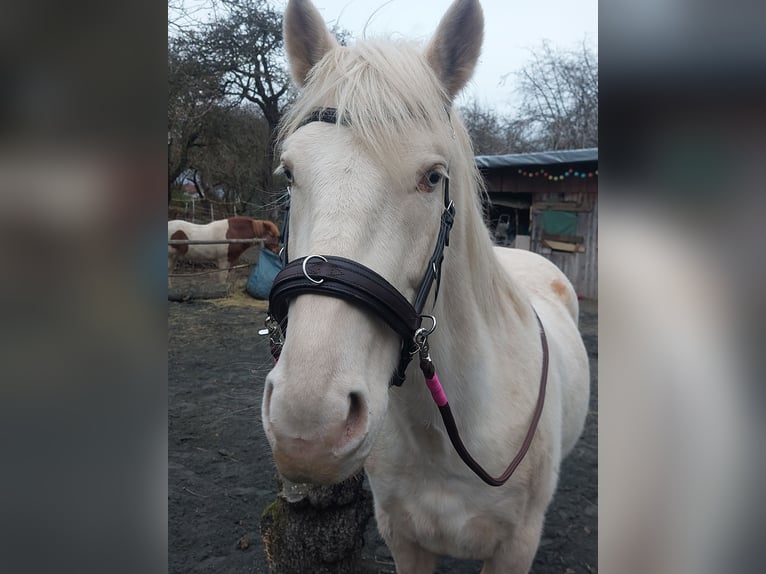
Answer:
[(492, 133), (183, 17), (194, 90), (485, 128), (223, 55), (246, 44), (559, 91), (234, 137), (232, 54)]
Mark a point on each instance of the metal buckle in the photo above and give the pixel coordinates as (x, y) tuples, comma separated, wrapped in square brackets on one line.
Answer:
[(306, 273), (448, 216), (273, 330), (276, 336), (420, 339), (422, 331)]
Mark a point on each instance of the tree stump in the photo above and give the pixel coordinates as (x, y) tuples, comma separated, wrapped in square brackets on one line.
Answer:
[(317, 529)]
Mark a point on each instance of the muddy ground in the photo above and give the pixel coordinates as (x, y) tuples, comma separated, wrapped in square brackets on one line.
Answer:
[(220, 471)]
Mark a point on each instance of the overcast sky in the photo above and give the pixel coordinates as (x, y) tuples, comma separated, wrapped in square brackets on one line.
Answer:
[(512, 29)]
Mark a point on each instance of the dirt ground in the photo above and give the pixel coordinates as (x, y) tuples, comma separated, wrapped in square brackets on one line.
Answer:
[(220, 471)]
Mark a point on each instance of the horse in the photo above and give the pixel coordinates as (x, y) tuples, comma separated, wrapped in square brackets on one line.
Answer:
[(370, 148), (224, 255)]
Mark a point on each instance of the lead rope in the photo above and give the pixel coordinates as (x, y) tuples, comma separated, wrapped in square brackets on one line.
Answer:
[(440, 398)]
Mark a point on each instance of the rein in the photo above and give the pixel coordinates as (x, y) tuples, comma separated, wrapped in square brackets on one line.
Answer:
[(353, 282), (437, 392)]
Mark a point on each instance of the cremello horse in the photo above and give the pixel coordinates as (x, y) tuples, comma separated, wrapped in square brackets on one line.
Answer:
[(224, 255), (369, 188)]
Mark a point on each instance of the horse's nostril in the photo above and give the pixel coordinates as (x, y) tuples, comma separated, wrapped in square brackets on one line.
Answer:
[(357, 414), (267, 397), (355, 405)]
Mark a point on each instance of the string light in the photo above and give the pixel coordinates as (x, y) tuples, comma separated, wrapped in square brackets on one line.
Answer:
[(561, 176)]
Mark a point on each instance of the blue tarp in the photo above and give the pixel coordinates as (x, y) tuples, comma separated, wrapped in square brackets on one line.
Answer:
[(262, 276)]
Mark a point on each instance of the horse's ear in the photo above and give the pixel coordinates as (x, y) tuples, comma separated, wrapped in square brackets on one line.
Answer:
[(456, 45), (307, 38)]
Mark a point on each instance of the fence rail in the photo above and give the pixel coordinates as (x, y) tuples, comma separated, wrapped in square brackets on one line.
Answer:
[(211, 271), (212, 241)]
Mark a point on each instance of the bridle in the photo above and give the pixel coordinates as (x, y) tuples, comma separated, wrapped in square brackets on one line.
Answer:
[(351, 281), (339, 277)]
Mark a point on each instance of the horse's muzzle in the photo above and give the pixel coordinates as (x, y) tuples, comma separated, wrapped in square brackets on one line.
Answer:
[(326, 445)]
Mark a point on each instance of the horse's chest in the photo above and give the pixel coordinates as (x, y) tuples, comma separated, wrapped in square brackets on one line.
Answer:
[(445, 522)]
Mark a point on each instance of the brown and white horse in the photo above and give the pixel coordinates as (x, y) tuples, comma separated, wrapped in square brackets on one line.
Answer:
[(224, 255)]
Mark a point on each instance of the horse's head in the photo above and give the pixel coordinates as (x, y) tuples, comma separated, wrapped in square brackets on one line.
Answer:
[(368, 188), (268, 231)]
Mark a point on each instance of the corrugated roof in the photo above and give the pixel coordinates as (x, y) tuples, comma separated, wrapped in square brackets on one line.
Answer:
[(537, 158)]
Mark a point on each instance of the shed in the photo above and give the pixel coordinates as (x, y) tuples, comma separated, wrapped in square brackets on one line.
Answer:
[(548, 202)]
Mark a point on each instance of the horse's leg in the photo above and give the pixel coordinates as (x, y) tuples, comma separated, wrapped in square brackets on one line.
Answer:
[(516, 555), (409, 557), (223, 269), (171, 268)]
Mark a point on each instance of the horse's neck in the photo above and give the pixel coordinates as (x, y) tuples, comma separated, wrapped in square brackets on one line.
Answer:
[(485, 323), (479, 295)]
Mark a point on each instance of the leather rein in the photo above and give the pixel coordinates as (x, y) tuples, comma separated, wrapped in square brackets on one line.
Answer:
[(343, 278)]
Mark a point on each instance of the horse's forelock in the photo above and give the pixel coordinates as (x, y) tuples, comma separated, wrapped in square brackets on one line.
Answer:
[(382, 90), (385, 91)]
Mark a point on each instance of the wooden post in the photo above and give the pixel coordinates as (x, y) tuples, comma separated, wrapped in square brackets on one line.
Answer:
[(317, 529)]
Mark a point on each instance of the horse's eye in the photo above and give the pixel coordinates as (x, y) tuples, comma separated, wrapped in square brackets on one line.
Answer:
[(287, 172), (434, 178), (429, 181)]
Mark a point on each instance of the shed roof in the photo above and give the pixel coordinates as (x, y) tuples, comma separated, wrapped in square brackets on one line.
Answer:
[(537, 158)]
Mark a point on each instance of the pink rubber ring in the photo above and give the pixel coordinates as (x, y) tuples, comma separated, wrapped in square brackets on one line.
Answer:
[(437, 391)]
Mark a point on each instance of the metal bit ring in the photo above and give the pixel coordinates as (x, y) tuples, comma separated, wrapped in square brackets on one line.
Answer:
[(306, 273)]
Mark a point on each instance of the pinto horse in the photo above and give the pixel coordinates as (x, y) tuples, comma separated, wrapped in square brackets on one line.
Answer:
[(386, 222), (224, 255)]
